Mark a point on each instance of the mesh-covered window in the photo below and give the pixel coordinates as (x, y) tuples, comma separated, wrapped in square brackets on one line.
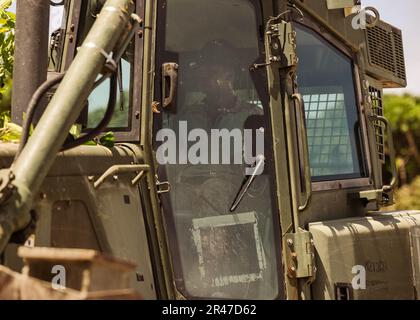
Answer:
[(326, 81), (328, 133), (377, 109)]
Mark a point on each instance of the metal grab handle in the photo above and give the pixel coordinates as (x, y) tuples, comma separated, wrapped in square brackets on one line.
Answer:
[(392, 153), (304, 150), (169, 70), (121, 169)]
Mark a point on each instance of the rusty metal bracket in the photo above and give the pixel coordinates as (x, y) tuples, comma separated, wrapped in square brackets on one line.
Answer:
[(282, 44), (300, 255)]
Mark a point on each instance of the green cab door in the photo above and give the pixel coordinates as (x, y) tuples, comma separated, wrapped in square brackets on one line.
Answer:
[(214, 147)]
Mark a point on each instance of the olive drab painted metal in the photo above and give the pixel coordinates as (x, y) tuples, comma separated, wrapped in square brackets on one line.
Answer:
[(307, 228)]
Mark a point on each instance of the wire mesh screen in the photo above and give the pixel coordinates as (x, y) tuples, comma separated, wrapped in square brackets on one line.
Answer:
[(377, 109), (330, 149)]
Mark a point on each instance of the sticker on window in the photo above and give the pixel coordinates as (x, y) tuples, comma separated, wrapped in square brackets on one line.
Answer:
[(229, 249)]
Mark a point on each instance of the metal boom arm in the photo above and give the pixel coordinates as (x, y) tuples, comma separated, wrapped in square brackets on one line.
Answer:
[(25, 177)]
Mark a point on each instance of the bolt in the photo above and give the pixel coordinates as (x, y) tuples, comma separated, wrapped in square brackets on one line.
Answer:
[(115, 178), (291, 272), (91, 178), (290, 242), (43, 196)]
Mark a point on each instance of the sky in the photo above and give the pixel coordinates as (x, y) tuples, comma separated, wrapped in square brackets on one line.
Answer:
[(404, 14)]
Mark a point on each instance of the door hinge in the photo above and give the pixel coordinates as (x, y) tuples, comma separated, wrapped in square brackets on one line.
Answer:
[(300, 255), (282, 44)]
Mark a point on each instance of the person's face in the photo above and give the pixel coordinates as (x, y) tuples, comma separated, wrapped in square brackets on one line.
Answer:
[(219, 82)]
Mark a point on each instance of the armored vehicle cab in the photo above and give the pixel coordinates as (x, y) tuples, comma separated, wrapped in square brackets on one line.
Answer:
[(251, 153)]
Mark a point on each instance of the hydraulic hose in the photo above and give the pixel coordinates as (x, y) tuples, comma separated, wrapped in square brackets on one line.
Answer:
[(33, 104)]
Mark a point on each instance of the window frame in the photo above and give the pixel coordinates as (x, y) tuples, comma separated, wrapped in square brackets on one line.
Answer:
[(73, 39), (338, 182)]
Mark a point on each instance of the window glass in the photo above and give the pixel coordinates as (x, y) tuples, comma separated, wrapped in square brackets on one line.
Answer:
[(98, 100), (57, 16), (57, 27), (218, 252), (326, 81)]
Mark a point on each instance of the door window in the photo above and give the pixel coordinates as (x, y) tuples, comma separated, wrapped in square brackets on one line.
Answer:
[(219, 252), (326, 81)]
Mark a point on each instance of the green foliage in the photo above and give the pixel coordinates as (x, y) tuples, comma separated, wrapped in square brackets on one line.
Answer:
[(408, 197), (6, 96), (107, 140), (404, 114), (7, 48), (119, 119), (9, 132)]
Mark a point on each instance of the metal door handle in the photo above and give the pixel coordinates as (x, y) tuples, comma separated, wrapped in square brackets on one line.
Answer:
[(392, 154), (304, 150), (169, 71)]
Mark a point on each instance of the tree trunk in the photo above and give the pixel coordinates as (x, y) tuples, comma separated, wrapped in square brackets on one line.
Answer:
[(413, 146)]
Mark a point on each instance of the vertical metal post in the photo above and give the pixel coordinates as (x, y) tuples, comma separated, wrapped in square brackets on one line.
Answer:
[(31, 53)]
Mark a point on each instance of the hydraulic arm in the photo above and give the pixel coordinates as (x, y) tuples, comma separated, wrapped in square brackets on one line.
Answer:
[(22, 181)]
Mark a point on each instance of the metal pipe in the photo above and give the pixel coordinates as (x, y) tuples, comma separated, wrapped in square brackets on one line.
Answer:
[(36, 159), (31, 53)]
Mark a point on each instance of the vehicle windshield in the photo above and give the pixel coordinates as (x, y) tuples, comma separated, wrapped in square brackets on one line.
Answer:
[(208, 142)]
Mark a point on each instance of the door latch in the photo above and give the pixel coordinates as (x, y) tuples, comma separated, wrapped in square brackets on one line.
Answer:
[(282, 44), (163, 187)]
